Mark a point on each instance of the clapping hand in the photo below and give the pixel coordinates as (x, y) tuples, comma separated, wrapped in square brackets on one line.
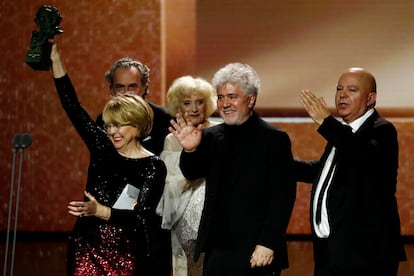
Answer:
[(315, 106)]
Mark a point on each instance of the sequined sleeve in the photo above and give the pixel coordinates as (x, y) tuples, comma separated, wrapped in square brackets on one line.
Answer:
[(92, 135), (144, 212)]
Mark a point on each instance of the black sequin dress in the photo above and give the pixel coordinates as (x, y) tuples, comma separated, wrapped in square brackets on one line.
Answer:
[(129, 242)]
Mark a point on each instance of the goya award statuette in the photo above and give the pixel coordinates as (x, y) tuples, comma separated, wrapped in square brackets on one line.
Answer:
[(48, 20)]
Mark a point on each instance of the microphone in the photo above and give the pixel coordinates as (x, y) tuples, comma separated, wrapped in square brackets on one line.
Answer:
[(26, 140), (22, 140)]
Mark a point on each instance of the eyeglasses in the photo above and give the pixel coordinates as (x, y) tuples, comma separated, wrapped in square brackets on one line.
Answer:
[(117, 126)]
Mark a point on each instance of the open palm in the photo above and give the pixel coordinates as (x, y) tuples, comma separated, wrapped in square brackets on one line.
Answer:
[(186, 133)]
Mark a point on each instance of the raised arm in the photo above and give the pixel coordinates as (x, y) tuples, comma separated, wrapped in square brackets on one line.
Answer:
[(58, 68), (79, 117), (315, 106)]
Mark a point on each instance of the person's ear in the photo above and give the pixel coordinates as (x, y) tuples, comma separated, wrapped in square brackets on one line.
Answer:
[(251, 100), (372, 97)]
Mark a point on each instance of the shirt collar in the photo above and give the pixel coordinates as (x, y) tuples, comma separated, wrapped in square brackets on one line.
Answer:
[(356, 124)]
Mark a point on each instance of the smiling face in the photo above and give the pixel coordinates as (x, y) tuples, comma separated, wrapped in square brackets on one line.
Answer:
[(355, 94), (233, 104), (123, 137), (128, 120), (195, 106)]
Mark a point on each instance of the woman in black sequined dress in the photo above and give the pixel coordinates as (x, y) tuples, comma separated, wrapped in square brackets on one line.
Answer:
[(117, 231)]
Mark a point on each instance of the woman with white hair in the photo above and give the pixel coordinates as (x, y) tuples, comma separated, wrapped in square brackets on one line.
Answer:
[(182, 201)]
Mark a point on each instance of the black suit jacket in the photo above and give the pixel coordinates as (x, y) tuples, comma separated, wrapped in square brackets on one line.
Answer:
[(250, 187), (362, 207), (155, 141)]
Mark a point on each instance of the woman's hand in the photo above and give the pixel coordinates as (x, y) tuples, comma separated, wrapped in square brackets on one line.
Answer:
[(89, 208), (58, 68)]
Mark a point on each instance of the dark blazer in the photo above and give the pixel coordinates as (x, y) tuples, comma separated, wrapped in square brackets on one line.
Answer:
[(362, 207), (250, 186), (155, 141)]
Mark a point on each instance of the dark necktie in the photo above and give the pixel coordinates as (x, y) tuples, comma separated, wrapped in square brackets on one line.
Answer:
[(323, 190)]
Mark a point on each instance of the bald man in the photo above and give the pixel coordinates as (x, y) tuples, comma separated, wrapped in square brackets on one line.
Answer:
[(354, 214)]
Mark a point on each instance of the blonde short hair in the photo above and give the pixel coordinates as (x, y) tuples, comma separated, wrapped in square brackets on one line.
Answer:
[(185, 87), (131, 110)]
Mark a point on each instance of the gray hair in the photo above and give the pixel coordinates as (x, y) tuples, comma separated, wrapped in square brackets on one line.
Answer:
[(237, 73), (125, 63)]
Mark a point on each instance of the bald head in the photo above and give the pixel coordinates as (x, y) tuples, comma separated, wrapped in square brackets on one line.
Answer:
[(366, 77), (355, 93)]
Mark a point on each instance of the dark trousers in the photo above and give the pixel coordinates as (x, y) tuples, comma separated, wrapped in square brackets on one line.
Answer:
[(159, 261), (225, 262), (324, 268)]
